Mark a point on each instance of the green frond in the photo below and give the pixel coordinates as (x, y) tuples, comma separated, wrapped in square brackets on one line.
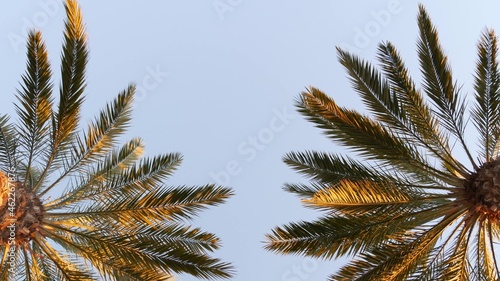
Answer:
[(303, 190), (456, 263), (112, 166), (151, 206), (8, 144), (374, 90), (333, 236), (42, 268), (390, 106), (74, 59), (100, 136), (174, 235), (367, 137), (35, 100), (66, 267), (438, 82), (486, 113), (419, 122), (330, 168), (396, 261), (146, 175), (141, 256)]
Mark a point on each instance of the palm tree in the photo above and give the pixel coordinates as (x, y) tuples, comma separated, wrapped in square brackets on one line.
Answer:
[(116, 218), (405, 208)]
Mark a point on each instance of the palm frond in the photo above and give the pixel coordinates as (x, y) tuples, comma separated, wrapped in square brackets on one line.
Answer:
[(71, 95), (100, 136), (68, 268), (112, 166), (151, 206), (456, 264), (73, 62), (35, 102), (330, 168), (374, 90), (419, 122), (486, 263), (139, 256), (362, 197), (148, 174), (395, 261), (334, 236), (367, 137), (8, 144), (486, 113), (438, 82)]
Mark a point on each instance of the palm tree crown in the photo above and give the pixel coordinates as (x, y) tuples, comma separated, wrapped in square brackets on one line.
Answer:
[(116, 219), (408, 210)]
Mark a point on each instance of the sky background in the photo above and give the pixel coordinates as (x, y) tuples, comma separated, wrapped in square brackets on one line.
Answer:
[(217, 81)]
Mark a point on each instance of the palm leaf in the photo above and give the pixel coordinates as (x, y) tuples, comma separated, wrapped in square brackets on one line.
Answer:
[(395, 262), (335, 236), (438, 83), (486, 113), (367, 197), (100, 136), (73, 62), (418, 122), (151, 206), (113, 165), (365, 136), (67, 268), (8, 144), (146, 175), (35, 101)]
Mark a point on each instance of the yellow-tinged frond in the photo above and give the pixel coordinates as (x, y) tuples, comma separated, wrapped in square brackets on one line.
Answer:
[(455, 265), (369, 138), (70, 270), (487, 259), (364, 196), (100, 137), (396, 261), (75, 24)]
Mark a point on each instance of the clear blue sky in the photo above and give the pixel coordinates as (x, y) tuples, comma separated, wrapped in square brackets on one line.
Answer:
[(217, 81)]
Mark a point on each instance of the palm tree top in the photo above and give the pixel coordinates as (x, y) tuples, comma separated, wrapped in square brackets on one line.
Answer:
[(405, 208), (117, 218)]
